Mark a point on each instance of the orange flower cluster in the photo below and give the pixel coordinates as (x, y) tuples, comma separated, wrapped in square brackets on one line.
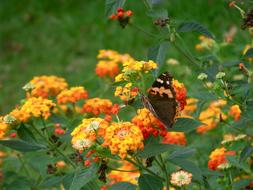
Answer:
[(122, 138), (117, 176), (33, 107), (107, 68), (98, 106), (235, 112), (3, 128), (121, 15), (205, 43), (217, 158), (190, 107), (211, 116), (45, 86), (177, 138), (109, 63), (126, 93), (148, 124), (85, 134), (72, 95), (180, 94)]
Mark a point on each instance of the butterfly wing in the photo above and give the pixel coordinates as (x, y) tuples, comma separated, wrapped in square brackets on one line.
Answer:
[(161, 100)]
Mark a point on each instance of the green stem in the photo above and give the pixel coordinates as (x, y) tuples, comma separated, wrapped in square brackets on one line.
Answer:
[(165, 171), (140, 29), (139, 165)]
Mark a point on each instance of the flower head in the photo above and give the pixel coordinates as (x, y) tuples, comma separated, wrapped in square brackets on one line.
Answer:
[(126, 93), (211, 116), (122, 138), (218, 157), (3, 128), (98, 106), (205, 43), (180, 93), (85, 134), (33, 107), (122, 16), (45, 86), (148, 124), (181, 178), (72, 95), (235, 112), (107, 68), (177, 138)]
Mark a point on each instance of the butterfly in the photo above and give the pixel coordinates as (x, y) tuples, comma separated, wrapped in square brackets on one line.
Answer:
[(161, 99)]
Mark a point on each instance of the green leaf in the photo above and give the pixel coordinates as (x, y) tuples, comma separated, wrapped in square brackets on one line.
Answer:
[(246, 152), (155, 3), (155, 149), (234, 161), (249, 53), (21, 145), (111, 6), (194, 26), (25, 134), (241, 183), (158, 52), (79, 178), (52, 181), (123, 186), (186, 125), (188, 166), (148, 182), (184, 153)]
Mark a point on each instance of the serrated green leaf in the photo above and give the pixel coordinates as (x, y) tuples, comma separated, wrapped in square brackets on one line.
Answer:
[(123, 186), (241, 183), (148, 182), (246, 152), (78, 179), (25, 134), (194, 26), (21, 145), (158, 52), (186, 125), (111, 6), (52, 181), (183, 153)]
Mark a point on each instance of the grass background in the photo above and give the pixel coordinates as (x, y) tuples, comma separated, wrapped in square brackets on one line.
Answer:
[(62, 37)]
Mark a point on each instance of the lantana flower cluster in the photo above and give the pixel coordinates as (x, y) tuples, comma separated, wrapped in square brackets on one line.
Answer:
[(126, 93), (181, 92), (33, 107), (177, 138), (86, 134), (98, 106), (110, 62), (72, 95), (149, 124), (205, 43), (45, 86), (123, 138), (217, 158)]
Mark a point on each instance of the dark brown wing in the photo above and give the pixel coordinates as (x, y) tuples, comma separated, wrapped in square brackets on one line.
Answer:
[(162, 99)]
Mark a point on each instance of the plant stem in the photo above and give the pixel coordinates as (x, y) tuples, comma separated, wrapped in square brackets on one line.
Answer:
[(165, 171), (140, 29), (139, 165)]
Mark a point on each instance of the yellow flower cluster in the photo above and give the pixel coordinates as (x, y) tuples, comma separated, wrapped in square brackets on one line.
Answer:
[(235, 112), (211, 116), (72, 95), (85, 134), (126, 93), (33, 107), (45, 86), (3, 128), (205, 43), (190, 107), (133, 66), (122, 138)]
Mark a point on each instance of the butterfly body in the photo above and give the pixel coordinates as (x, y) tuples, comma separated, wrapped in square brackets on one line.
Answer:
[(161, 99)]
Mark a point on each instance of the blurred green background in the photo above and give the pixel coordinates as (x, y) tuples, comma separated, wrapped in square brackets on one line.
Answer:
[(62, 37)]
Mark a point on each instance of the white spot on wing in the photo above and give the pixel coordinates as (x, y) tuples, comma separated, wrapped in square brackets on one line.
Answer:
[(159, 80)]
